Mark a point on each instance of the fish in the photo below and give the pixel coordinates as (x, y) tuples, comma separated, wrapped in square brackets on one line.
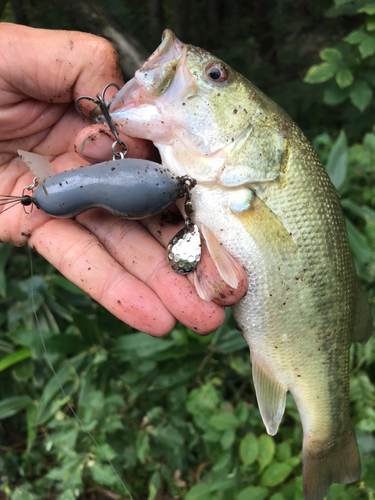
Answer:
[(263, 199)]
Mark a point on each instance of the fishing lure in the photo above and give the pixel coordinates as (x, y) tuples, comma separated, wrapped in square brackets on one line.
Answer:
[(129, 188), (125, 187)]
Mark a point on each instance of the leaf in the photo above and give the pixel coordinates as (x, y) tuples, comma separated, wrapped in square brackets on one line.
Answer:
[(277, 496), (30, 338), (367, 46), (370, 23), (62, 282), (139, 345), (360, 95), (320, 73), (224, 421), (20, 494), (103, 452), (223, 484), (342, 2), (344, 78), (355, 37), (283, 451), (231, 341), (200, 491), (88, 328), (369, 142), (23, 371), (211, 435), (67, 495), (249, 449), (293, 461), (358, 244), (45, 409), (173, 374), (334, 95), (222, 461), (275, 474), (337, 161), (240, 366), (168, 436), (5, 252), (227, 439), (267, 450), (14, 404), (103, 474), (14, 357), (298, 488), (331, 55), (65, 469), (69, 343), (253, 493), (154, 485), (143, 446), (203, 399), (363, 211), (368, 8), (31, 429)]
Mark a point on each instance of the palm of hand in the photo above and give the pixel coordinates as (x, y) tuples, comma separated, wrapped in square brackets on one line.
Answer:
[(119, 263)]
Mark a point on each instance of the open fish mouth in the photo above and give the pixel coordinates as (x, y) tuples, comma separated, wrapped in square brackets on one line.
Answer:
[(150, 81)]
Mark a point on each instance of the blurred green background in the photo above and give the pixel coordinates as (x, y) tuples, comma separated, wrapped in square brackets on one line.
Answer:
[(177, 417)]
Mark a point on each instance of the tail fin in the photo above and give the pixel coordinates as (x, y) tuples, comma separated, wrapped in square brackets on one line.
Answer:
[(338, 464)]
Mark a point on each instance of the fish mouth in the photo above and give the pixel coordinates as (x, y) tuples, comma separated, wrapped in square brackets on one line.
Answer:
[(170, 48), (150, 81)]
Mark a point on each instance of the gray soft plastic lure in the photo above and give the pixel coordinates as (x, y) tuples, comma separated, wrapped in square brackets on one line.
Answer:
[(129, 188)]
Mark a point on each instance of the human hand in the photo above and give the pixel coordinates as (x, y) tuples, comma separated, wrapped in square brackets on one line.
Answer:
[(119, 263)]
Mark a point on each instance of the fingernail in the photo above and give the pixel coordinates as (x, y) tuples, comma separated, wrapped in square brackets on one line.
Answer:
[(97, 147)]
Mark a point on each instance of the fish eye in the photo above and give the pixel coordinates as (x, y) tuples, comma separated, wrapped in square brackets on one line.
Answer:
[(216, 72)]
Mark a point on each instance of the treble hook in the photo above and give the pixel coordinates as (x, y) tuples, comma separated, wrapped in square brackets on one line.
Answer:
[(100, 101)]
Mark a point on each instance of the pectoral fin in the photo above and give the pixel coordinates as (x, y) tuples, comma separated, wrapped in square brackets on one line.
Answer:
[(227, 266), (265, 228), (270, 395)]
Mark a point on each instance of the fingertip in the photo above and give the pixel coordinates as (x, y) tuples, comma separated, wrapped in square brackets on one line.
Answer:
[(94, 144), (209, 319), (164, 327), (230, 296)]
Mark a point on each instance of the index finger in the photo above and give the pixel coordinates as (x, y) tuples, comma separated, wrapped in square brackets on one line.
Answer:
[(74, 64)]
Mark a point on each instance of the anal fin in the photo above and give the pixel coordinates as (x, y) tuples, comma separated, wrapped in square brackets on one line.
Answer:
[(271, 396)]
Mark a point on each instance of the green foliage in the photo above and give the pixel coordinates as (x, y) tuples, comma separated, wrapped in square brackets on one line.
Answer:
[(170, 414), (349, 67), (177, 418)]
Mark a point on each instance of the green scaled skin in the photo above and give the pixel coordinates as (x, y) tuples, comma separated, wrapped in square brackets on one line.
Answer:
[(264, 198)]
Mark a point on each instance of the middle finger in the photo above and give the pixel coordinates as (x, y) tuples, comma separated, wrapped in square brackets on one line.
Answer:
[(138, 252)]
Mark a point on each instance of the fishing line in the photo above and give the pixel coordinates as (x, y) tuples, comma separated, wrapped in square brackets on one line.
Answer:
[(83, 426)]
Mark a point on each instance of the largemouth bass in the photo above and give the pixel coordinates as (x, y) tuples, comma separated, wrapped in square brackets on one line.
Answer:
[(264, 198)]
